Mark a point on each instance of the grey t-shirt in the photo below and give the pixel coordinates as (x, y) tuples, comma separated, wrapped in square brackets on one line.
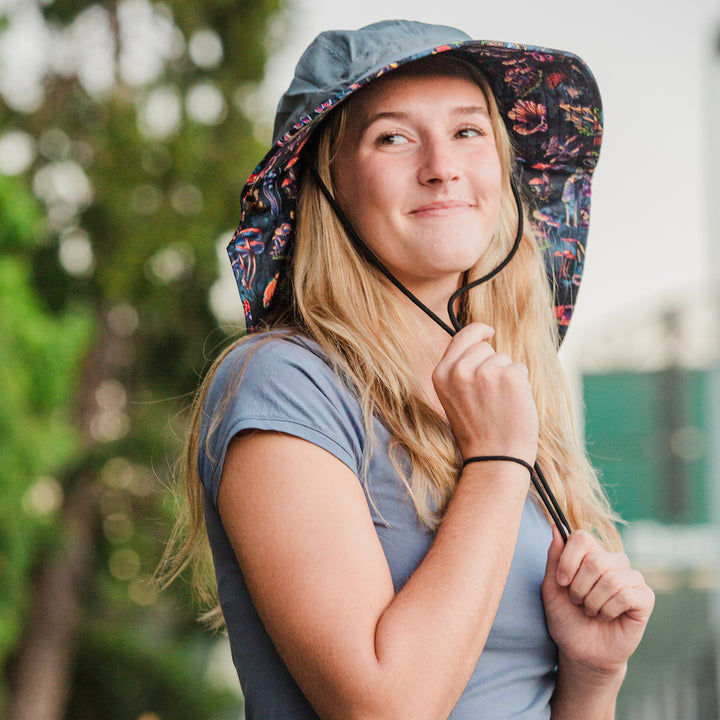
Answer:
[(287, 386)]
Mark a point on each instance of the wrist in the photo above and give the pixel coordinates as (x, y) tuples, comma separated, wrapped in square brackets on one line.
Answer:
[(499, 463), (499, 474), (585, 691), (588, 677), (525, 452), (518, 460)]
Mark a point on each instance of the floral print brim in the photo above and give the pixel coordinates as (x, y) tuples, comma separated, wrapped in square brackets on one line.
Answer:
[(552, 108)]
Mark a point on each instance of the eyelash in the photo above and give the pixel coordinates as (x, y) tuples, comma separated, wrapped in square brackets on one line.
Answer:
[(385, 137), (382, 140), (471, 128)]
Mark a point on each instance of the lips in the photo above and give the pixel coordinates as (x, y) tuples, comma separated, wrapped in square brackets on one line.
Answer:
[(441, 208)]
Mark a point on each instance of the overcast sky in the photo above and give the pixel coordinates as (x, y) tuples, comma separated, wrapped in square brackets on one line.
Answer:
[(649, 244)]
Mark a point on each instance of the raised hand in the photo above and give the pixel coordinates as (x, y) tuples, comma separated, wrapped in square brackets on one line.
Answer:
[(487, 397)]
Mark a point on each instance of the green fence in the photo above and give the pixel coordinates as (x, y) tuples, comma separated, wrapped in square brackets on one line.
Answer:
[(648, 435)]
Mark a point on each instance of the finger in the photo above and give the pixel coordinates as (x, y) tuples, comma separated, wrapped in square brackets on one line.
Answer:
[(636, 603), (618, 592), (478, 355), (476, 332), (521, 369), (641, 603), (518, 372), (480, 363), (579, 544), (500, 360), (554, 553), (609, 584), (595, 566), (470, 335)]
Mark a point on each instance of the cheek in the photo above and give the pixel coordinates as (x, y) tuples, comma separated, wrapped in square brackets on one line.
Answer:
[(493, 182), (493, 172), (354, 194), (372, 195)]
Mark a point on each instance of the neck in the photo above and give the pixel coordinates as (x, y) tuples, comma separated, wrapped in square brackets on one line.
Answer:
[(430, 297)]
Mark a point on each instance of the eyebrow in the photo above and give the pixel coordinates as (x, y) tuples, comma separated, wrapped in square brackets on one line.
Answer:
[(401, 115)]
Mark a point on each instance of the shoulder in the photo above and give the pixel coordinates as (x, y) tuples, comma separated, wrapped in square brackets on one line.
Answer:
[(279, 383), (274, 347), (276, 370)]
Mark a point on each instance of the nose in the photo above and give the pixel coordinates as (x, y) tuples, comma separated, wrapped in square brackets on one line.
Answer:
[(437, 164)]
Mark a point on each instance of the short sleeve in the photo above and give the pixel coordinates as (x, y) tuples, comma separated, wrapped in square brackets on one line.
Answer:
[(281, 384)]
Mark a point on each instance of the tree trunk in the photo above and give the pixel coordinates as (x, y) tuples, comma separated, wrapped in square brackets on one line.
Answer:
[(41, 680)]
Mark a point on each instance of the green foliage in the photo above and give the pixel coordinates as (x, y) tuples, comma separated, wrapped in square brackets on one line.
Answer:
[(105, 329), (63, 11), (20, 214), (140, 675), (38, 354)]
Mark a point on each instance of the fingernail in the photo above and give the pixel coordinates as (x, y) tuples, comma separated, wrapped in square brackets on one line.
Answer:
[(562, 578)]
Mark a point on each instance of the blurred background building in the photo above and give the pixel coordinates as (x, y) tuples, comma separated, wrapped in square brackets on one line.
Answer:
[(655, 437)]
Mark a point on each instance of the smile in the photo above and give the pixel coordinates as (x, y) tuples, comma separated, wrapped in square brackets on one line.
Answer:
[(442, 208)]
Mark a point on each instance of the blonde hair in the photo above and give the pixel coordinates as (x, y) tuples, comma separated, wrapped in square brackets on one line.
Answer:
[(331, 281)]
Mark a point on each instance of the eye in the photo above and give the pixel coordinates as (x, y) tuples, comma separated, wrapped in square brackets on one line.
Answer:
[(469, 132), (392, 138)]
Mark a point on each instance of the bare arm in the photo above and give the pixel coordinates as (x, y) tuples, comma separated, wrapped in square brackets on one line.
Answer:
[(321, 584), (299, 522)]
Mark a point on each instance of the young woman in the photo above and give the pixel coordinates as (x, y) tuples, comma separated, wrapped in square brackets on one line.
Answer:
[(363, 459)]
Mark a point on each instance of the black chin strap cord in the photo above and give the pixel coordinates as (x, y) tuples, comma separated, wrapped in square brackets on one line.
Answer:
[(516, 244), (536, 474)]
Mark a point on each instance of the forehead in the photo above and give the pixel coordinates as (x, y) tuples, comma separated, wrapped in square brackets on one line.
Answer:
[(402, 88)]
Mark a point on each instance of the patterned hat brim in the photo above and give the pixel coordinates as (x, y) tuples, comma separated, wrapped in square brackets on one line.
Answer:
[(551, 106)]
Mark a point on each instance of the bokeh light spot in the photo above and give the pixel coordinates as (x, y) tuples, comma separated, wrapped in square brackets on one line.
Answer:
[(17, 151), (124, 564), (143, 591), (63, 181), (205, 48), (170, 264), (111, 422), (186, 199), (160, 113), (118, 527), (75, 253), (44, 497), (54, 144), (123, 320), (205, 104), (146, 199)]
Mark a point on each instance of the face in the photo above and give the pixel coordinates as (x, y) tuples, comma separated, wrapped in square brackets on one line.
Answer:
[(419, 177)]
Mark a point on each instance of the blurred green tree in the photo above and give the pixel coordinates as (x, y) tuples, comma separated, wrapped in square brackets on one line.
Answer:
[(122, 158)]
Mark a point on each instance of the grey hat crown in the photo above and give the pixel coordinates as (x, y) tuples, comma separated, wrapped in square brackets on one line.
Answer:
[(337, 58)]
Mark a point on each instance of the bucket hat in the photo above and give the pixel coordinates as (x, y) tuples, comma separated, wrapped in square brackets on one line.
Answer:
[(548, 99)]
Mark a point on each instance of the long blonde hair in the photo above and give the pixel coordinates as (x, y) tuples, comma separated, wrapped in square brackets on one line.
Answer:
[(346, 306), (331, 281)]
